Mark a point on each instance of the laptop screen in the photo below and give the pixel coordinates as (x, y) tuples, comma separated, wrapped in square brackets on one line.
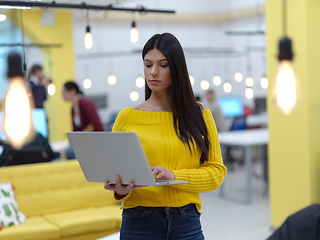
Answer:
[(231, 106), (39, 120)]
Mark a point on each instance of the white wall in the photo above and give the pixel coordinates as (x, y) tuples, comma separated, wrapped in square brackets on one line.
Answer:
[(113, 36)]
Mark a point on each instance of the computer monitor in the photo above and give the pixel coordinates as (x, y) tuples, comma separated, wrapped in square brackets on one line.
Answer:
[(231, 106), (39, 120), (260, 105)]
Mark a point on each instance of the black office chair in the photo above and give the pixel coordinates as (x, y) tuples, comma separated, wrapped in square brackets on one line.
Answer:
[(26, 156)]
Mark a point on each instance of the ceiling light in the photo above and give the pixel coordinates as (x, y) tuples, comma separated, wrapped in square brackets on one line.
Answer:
[(134, 36), (216, 80), (87, 83), (3, 17), (191, 79), (51, 89), (204, 85), (264, 83), (249, 93), (286, 92), (227, 87), (238, 77), (88, 42), (134, 96), (112, 80), (140, 82), (13, 7), (249, 82)]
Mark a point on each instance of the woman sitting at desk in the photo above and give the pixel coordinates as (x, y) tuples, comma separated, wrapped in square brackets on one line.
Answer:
[(84, 113)]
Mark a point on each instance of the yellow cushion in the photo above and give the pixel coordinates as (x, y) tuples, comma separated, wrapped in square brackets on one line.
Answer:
[(113, 211), (35, 229), (81, 221), (45, 188)]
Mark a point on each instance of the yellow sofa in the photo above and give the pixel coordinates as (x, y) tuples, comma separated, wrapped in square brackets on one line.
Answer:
[(60, 203)]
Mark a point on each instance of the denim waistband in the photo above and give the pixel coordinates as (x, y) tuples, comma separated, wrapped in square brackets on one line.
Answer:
[(166, 209)]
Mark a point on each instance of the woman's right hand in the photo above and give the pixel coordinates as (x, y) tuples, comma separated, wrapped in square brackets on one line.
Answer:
[(119, 188)]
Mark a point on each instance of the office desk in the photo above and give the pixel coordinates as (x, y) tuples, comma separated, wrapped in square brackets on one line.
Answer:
[(260, 120), (246, 139)]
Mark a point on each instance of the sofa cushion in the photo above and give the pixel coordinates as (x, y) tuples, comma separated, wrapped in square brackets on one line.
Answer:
[(9, 211), (82, 221), (113, 211), (45, 188), (35, 229)]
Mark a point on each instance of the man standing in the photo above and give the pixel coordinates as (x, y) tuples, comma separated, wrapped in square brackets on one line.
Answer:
[(38, 83), (216, 111)]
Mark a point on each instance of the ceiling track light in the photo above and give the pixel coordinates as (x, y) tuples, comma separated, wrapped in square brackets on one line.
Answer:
[(53, 4)]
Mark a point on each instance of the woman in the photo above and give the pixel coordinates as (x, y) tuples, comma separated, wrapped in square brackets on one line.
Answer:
[(180, 141), (84, 113)]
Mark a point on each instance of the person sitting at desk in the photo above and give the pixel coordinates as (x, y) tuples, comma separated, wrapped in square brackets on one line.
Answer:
[(216, 111), (84, 113)]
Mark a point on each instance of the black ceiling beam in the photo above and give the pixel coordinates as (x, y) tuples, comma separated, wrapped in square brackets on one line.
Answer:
[(31, 45), (80, 6)]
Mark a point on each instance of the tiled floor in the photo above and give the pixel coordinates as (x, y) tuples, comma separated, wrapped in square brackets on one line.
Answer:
[(230, 220)]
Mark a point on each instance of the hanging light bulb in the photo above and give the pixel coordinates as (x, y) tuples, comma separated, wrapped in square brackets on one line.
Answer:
[(249, 93), (134, 36), (264, 83), (286, 92), (112, 80), (87, 83), (88, 42), (51, 89), (17, 123), (3, 17), (191, 79), (134, 96), (216, 80), (227, 87), (238, 77), (249, 82), (140, 82), (204, 85)]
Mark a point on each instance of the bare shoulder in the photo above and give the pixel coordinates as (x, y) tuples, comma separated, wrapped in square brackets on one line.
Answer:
[(141, 106), (203, 106)]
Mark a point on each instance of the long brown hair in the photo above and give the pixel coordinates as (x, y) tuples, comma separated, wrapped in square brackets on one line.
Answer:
[(188, 121)]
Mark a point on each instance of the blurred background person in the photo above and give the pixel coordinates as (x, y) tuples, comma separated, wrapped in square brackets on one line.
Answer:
[(38, 82), (84, 113), (216, 111)]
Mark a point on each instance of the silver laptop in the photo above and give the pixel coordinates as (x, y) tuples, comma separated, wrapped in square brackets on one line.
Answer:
[(104, 155)]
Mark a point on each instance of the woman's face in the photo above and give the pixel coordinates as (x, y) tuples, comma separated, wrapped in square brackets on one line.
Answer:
[(157, 71), (67, 95)]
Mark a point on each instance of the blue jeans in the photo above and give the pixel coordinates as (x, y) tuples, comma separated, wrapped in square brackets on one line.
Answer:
[(161, 223)]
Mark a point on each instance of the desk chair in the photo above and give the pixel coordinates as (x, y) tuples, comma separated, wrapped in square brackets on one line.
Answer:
[(239, 123), (26, 156)]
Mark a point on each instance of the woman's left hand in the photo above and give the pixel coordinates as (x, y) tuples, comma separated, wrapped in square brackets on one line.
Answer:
[(162, 173)]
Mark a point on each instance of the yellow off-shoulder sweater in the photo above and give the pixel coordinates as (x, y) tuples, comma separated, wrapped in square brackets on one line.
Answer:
[(163, 147)]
